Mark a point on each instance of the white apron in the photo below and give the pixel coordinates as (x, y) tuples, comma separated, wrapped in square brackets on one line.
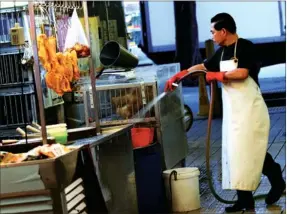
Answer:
[(245, 131)]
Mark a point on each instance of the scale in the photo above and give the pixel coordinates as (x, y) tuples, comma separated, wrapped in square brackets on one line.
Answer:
[(116, 75)]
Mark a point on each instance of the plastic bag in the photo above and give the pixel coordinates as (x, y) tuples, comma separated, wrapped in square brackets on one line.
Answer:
[(76, 33), (28, 54)]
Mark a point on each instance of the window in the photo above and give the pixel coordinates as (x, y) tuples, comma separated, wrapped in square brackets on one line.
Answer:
[(282, 12), (265, 22), (134, 30), (259, 23), (160, 26), (133, 22)]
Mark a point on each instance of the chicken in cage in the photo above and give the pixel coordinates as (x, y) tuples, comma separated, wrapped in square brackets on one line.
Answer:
[(117, 105), (131, 101)]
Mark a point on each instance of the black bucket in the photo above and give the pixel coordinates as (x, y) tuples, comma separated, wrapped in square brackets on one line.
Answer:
[(113, 54)]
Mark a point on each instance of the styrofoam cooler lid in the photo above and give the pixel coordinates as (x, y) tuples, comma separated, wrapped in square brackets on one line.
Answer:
[(183, 173)]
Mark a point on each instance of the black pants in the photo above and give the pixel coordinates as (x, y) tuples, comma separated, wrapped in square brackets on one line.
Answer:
[(269, 167)]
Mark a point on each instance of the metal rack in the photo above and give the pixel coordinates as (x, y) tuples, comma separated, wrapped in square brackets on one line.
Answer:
[(17, 93), (50, 6)]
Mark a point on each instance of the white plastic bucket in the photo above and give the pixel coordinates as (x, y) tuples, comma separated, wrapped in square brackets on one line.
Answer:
[(184, 188)]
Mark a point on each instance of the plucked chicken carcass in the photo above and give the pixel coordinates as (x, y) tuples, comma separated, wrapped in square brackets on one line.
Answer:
[(51, 47), (75, 64), (61, 68), (42, 52)]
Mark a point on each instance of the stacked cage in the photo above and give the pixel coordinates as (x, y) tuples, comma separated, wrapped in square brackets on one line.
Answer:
[(17, 94)]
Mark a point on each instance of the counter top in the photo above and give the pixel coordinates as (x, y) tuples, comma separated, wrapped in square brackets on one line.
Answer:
[(107, 134)]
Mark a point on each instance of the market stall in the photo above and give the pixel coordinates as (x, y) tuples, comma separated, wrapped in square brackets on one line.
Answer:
[(87, 124)]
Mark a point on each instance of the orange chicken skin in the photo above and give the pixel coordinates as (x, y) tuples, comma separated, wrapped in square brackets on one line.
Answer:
[(42, 52), (51, 47), (61, 68), (75, 64), (69, 69)]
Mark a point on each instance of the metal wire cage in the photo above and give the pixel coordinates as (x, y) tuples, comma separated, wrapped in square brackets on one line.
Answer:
[(17, 93), (121, 103), (116, 104)]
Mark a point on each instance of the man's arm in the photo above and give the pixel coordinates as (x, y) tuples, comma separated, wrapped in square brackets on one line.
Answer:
[(196, 68), (237, 74)]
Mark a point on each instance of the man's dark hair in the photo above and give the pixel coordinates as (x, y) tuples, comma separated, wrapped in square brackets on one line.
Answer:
[(224, 20)]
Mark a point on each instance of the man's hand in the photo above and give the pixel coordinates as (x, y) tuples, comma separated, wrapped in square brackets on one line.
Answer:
[(215, 76), (175, 79)]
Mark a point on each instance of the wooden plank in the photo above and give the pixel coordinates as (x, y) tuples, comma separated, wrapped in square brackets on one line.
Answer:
[(201, 130), (198, 155), (194, 129), (276, 126), (207, 211), (266, 210), (194, 147)]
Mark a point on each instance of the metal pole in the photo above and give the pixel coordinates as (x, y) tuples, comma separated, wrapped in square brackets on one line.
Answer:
[(92, 72), (37, 71)]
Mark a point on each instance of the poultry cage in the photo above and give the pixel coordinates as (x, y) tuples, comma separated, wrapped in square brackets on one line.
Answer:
[(117, 104), (17, 93)]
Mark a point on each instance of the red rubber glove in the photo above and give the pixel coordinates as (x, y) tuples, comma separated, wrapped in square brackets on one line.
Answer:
[(218, 76), (175, 79)]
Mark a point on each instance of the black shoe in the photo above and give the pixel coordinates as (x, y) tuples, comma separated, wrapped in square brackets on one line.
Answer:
[(278, 186), (238, 207)]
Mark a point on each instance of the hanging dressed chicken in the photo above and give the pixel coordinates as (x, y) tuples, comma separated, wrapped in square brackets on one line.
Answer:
[(61, 68)]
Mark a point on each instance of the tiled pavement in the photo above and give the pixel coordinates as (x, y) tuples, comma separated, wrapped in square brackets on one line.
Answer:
[(196, 158)]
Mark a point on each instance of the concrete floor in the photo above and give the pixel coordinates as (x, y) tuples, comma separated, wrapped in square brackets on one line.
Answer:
[(196, 158)]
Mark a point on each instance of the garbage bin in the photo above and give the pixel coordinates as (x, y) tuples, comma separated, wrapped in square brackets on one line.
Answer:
[(151, 195)]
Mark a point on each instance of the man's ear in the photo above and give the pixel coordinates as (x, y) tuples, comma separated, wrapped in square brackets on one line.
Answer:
[(224, 32)]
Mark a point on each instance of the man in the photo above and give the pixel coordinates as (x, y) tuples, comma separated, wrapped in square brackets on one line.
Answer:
[(246, 123)]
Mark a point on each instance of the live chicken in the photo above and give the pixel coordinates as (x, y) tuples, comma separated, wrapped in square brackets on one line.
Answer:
[(130, 102)]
